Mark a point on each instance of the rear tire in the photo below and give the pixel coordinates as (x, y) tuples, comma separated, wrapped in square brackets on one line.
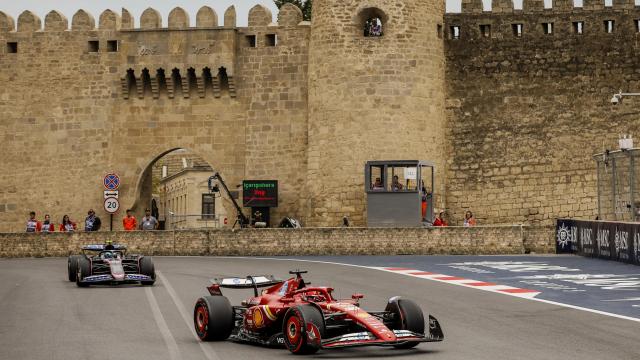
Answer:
[(303, 329), (213, 318), (408, 316), (72, 267), (147, 268), (84, 270)]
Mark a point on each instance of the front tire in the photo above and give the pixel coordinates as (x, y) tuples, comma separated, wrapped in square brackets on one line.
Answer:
[(84, 270), (303, 329), (147, 268), (72, 267), (408, 316), (213, 318)]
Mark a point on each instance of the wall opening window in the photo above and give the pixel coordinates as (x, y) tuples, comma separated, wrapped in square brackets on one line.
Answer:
[(272, 39), (454, 32), (485, 30), (208, 206), (224, 79), (517, 29), (251, 41), (112, 45), (131, 82), (578, 27), (12, 47), (145, 77), (609, 26), (94, 46), (547, 28), (439, 29), (637, 25), (372, 21)]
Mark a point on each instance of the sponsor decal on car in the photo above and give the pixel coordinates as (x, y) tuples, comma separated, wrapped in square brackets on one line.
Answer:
[(258, 320)]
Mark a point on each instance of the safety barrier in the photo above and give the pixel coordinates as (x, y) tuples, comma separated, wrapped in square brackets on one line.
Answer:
[(618, 241)]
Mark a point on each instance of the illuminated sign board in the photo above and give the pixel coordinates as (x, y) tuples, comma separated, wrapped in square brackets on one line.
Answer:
[(260, 193)]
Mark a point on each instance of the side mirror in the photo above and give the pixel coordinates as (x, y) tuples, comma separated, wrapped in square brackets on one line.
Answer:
[(357, 296)]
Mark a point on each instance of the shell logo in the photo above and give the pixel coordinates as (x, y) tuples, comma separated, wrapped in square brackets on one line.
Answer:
[(258, 320)]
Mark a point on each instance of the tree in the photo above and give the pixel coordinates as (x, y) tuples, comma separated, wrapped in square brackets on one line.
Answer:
[(304, 5)]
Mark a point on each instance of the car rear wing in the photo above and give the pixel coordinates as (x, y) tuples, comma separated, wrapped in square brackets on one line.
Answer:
[(250, 282), (100, 247)]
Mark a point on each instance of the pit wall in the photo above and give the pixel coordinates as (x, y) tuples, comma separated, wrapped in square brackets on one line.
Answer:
[(88, 96), (483, 240), (527, 112)]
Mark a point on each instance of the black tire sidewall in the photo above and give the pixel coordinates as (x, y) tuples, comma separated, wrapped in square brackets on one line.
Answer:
[(220, 317), (72, 267)]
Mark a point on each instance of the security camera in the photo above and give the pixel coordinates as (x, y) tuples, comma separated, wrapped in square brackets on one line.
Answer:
[(615, 99)]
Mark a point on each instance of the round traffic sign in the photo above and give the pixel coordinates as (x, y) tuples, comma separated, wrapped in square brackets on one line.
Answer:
[(111, 205), (111, 181)]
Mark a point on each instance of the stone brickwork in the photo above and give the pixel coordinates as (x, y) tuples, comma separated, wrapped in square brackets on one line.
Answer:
[(371, 98), (509, 104), (82, 99), (526, 113), (285, 242)]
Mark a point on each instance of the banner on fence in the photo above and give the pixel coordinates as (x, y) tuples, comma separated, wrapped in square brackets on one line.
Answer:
[(606, 240)]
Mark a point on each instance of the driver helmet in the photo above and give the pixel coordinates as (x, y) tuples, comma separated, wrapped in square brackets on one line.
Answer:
[(107, 255)]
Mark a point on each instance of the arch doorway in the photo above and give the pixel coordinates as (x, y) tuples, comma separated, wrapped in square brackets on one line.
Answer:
[(174, 187)]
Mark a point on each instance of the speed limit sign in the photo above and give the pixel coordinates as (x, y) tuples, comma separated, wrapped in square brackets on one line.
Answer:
[(111, 205)]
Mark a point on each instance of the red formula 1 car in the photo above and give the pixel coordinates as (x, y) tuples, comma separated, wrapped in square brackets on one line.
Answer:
[(305, 319)]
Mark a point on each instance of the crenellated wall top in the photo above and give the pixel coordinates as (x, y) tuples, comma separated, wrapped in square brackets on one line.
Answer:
[(150, 19), (537, 6)]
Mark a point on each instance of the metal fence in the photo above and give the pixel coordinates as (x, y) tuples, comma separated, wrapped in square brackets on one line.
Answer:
[(191, 221), (619, 185)]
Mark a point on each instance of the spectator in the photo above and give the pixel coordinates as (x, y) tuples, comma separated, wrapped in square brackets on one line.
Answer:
[(47, 225), (92, 222), (345, 221), (469, 220), (395, 184), (33, 225), (148, 222), (377, 185), (67, 225), (440, 221), (129, 222)]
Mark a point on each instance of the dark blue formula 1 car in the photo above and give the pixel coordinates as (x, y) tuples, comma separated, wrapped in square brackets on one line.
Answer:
[(110, 265)]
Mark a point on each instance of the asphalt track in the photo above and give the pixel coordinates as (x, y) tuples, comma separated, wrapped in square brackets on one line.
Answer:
[(45, 317)]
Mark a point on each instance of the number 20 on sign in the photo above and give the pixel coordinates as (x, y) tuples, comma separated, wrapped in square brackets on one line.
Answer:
[(111, 205)]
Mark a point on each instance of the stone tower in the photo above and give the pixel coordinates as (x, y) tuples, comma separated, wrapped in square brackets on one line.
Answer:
[(371, 98)]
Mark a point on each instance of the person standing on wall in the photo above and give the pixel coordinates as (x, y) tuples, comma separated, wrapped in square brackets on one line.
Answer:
[(92, 222), (129, 222), (33, 225), (469, 220), (148, 221), (67, 225), (47, 225)]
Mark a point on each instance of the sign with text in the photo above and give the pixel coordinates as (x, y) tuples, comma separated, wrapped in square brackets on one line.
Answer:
[(260, 193), (608, 240)]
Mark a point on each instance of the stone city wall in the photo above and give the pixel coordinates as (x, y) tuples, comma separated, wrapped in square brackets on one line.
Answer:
[(84, 97), (287, 242), (527, 110)]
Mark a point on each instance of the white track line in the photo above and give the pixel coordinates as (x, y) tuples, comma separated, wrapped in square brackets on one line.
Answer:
[(208, 352), (429, 278), (174, 352)]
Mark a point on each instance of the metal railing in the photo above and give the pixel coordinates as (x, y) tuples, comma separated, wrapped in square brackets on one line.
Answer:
[(191, 221)]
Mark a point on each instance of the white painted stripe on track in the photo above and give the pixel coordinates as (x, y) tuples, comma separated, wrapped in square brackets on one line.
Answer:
[(209, 353), (172, 346), (599, 312)]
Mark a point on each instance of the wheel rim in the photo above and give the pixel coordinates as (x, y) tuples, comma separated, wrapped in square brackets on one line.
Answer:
[(293, 330), (202, 319)]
